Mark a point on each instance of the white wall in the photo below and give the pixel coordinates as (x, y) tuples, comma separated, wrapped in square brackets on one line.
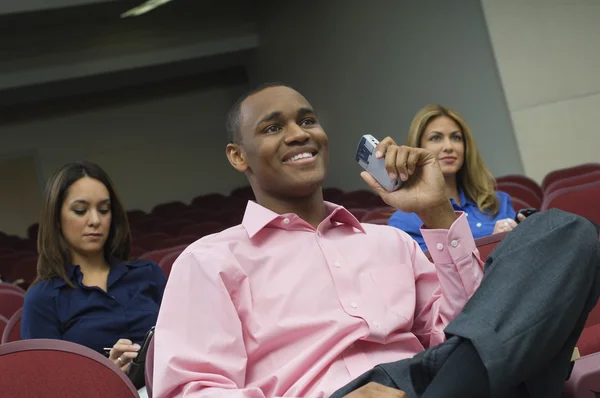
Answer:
[(368, 67), (548, 53), (155, 151)]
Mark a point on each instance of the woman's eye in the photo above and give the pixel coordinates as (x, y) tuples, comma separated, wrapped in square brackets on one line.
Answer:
[(104, 211), (79, 212)]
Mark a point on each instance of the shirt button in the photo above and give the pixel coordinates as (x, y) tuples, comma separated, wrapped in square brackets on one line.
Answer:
[(337, 264), (286, 220), (478, 225), (440, 246), (319, 234), (467, 214), (454, 243), (354, 305)]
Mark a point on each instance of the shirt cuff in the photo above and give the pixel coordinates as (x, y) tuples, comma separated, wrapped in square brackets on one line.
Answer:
[(448, 246)]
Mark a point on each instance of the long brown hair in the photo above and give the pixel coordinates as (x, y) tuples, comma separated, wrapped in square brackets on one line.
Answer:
[(54, 253), (474, 177)]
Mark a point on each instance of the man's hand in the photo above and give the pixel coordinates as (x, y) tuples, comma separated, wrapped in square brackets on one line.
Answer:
[(423, 190), (374, 390)]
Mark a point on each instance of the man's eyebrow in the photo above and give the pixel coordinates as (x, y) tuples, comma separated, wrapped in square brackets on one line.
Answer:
[(306, 111), (270, 117)]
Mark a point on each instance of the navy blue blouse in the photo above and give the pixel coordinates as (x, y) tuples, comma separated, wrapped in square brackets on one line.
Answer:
[(90, 316), (481, 224)]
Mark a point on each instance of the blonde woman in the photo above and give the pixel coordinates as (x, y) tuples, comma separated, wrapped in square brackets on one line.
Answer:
[(469, 183)]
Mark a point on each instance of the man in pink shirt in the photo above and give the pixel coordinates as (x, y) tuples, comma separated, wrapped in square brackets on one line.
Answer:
[(301, 299)]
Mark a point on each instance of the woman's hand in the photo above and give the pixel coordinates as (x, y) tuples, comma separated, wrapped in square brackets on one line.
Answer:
[(123, 353), (505, 225)]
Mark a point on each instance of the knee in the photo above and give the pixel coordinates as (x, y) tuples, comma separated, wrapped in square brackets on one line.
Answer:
[(577, 231)]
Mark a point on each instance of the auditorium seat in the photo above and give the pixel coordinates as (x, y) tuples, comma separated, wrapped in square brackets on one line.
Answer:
[(519, 204), (378, 213), (134, 216), (585, 378), (151, 241), (12, 331), (149, 367), (568, 173), (522, 180), (516, 190), (362, 197), (203, 229), (243, 192), (25, 268), (10, 302), (210, 201), (32, 232), (180, 240), (582, 200), (174, 227), (169, 210), (136, 252), (158, 255), (56, 368), (586, 178), (331, 194), (3, 323), (167, 262), (10, 286), (359, 213)]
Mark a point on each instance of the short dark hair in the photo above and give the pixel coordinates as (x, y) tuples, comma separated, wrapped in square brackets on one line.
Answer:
[(54, 254), (232, 121)]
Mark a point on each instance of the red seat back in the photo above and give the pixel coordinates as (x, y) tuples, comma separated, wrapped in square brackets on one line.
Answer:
[(515, 190), (56, 368), (10, 286), (568, 173), (10, 302), (167, 262), (379, 213), (3, 323), (158, 255), (522, 180), (169, 210), (202, 229), (586, 178), (582, 200), (519, 204), (12, 331)]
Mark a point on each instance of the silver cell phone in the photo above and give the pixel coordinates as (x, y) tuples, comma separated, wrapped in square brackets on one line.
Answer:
[(365, 156)]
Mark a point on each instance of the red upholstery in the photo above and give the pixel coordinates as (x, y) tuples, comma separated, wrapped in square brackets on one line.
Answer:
[(158, 255), (568, 173), (378, 213), (209, 202), (167, 262), (174, 227), (573, 181), (203, 229), (243, 192), (10, 302), (361, 196), (6, 250), (12, 331), (589, 341), (11, 287), (136, 252), (582, 200), (151, 241), (149, 367), (169, 210), (523, 180), (515, 190), (585, 378), (25, 268), (3, 323), (56, 368), (519, 204), (180, 240), (135, 216)]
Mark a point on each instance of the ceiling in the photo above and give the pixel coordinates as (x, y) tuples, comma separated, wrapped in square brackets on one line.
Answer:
[(74, 48)]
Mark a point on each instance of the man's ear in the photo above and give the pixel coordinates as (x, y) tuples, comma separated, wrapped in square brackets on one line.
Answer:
[(236, 157)]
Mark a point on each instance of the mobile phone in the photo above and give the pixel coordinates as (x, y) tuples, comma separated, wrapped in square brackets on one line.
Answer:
[(136, 370), (365, 156), (526, 213), (141, 356)]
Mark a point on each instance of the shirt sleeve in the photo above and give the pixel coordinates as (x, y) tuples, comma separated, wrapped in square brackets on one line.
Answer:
[(199, 342), (40, 316), (443, 290)]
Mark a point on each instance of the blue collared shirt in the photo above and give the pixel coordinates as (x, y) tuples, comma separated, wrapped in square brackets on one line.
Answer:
[(90, 316), (481, 224)]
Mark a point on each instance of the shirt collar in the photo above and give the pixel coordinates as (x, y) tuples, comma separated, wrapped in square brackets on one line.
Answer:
[(258, 217), (463, 198), (117, 269)]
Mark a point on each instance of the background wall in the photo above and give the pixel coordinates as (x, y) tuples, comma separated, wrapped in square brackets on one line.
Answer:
[(155, 151), (369, 68), (548, 53)]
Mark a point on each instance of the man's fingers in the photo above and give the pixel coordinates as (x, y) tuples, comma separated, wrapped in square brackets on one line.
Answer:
[(391, 162), (381, 148), (412, 160)]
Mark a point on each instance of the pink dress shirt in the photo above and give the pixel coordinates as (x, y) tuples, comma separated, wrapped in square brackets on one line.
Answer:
[(275, 308)]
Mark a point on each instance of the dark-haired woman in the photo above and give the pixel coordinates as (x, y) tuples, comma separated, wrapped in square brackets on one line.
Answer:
[(87, 290)]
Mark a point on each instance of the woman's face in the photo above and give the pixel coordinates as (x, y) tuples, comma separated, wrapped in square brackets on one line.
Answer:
[(443, 137), (85, 217)]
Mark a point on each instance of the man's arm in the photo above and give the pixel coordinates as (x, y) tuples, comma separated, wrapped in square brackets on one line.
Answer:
[(199, 344)]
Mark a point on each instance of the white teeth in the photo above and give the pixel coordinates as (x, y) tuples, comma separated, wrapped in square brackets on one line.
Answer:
[(300, 156)]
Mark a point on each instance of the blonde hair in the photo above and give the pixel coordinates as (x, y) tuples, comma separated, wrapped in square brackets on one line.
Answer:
[(473, 177)]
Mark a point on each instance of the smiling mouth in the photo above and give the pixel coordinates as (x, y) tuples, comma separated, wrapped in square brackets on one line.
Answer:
[(300, 157)]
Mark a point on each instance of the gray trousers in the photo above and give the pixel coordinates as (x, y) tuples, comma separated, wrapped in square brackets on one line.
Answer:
[(540, 284)]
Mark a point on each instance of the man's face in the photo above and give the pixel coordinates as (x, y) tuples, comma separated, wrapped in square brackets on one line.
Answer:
[(282, 145)]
